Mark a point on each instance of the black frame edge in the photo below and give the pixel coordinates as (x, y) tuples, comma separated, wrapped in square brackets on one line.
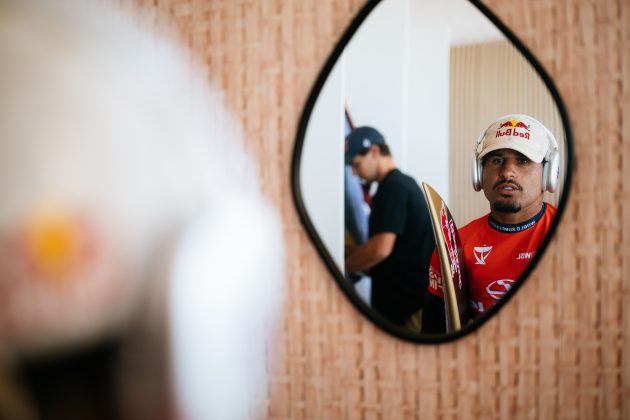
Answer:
[(338, 276)]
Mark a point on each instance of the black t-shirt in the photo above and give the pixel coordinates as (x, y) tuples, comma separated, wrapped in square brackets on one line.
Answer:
[(399, 282)]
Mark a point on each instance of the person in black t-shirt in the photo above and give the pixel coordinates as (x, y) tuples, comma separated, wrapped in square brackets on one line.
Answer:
[(401, 240)]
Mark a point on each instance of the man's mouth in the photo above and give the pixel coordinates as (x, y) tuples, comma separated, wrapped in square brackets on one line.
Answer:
[(509, 186)]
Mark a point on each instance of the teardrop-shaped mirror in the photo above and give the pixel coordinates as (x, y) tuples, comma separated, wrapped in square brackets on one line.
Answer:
[(423, 91)]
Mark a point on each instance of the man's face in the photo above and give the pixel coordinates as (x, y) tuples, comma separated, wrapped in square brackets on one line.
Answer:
[(366, 166), (512, 183)]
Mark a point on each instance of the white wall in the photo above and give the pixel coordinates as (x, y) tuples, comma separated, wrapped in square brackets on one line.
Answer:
[(321, 169), (427, 157), (394, 76), (397, 80), (376, 73)]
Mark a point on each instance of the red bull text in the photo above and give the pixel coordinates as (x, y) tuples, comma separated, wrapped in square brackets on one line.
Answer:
[(512, 129)]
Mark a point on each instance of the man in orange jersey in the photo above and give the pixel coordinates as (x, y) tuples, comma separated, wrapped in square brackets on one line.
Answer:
[(516, 160)]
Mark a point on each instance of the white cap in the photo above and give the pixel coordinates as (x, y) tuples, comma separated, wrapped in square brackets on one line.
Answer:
[(517, 132)]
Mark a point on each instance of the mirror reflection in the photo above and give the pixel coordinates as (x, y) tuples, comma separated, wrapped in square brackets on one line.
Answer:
[(431, 92)]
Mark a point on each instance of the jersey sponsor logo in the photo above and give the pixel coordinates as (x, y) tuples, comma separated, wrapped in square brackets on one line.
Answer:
[(477, 306), (498, 288), (526, 255), (481, 253), (435, 280)]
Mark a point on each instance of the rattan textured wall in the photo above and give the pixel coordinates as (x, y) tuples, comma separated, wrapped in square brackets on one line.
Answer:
[(561, 348)]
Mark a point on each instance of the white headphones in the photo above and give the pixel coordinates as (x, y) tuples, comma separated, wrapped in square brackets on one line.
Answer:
[(551, 161)]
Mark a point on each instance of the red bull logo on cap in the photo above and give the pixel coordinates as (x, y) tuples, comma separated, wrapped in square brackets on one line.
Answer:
[(514, 128)]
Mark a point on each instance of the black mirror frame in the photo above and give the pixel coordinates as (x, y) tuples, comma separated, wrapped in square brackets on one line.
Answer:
[(372, 315)]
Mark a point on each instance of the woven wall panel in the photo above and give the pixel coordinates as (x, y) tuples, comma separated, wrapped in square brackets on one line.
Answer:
[(560, 349)]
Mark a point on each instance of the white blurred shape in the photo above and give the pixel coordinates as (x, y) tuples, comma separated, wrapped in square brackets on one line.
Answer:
[(224, 286), (105, 120)]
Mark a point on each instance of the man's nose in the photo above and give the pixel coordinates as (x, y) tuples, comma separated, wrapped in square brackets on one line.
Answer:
[(508, 169)]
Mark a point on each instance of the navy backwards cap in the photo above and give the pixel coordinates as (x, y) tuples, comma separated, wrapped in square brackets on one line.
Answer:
[(361, 139)]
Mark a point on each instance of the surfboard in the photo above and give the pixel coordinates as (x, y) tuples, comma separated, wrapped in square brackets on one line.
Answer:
[(452, 261)]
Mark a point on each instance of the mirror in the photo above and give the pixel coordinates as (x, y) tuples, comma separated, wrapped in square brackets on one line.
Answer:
[(430, 77)]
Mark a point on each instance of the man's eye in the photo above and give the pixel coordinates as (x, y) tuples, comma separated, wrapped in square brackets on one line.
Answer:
[(496, 161), (523, 161)]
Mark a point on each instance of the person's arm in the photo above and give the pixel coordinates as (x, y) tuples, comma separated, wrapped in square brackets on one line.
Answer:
[(375, 250)]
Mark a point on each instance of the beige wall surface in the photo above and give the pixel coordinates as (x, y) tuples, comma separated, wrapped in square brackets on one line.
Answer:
[(560, 349)]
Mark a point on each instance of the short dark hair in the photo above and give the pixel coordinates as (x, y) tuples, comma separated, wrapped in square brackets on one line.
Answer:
[(383, 148)]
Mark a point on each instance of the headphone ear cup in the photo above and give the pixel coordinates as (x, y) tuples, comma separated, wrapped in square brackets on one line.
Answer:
[(476, 174), (551, 172), (551, 167)]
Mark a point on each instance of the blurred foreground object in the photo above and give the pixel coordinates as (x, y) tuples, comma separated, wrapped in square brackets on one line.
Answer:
[(128, 209)]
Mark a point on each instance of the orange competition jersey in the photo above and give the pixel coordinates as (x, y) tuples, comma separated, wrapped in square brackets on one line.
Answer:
[(496, 255)]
